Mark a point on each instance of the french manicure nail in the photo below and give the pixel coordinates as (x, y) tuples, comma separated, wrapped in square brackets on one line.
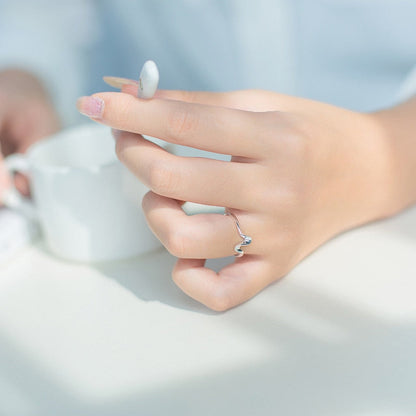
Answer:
[(118, 82), (91, 106)]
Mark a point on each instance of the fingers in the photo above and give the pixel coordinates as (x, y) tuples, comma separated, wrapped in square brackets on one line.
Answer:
[(232, 285), (248, 100), (200, 180), (216, 129), (5, 181), (195, 236), (21, 182)]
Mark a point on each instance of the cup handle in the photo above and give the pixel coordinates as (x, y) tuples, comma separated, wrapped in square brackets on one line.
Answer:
[(12, 198)]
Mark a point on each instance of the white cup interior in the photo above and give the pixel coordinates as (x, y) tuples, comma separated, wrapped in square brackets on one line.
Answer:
[(85, 147)]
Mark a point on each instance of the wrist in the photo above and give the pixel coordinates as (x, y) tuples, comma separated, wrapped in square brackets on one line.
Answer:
[(397, 133), (366, 171)]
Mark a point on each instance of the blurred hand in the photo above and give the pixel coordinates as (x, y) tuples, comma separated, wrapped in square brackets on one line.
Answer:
[(26, 115), (4, 177), (301, 172)]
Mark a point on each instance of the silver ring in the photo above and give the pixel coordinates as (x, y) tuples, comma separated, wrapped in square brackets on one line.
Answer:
[(246, 239)]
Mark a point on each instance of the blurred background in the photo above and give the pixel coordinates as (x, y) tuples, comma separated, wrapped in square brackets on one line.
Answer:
[(337, 337), (351, 53)]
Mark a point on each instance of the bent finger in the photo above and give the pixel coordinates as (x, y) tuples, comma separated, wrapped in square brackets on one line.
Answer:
[(231, 286), (200, 180), (196, 236)]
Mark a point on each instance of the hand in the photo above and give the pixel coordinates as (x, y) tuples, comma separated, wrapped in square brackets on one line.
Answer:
[(301, 172), (26, 115), (4, 177)]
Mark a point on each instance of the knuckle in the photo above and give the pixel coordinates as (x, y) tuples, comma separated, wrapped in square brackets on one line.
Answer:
[(293, 197), (289, 200), (181, 121), (175, 244), (298, 141), (220, 301), (297, 146), (295, 141), (291, 205)]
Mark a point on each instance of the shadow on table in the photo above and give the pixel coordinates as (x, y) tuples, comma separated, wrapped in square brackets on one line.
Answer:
[(371, 371), (149, 278), (365, 365)]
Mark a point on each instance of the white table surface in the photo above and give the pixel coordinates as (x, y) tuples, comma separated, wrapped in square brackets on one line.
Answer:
[(336, 337)]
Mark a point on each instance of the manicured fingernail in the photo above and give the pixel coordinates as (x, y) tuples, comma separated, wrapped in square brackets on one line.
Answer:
[(118, 82), (91, 106)]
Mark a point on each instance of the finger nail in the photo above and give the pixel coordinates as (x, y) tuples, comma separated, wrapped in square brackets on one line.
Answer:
[(91, 106), (118, 82)]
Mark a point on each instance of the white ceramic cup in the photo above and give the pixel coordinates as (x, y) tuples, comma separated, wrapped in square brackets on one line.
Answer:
[(87, 203)]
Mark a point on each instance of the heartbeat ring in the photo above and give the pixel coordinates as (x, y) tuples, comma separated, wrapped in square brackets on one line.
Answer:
[(246, 239)]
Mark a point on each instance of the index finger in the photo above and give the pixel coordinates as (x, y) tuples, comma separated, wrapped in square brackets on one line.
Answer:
[(249, 100), (215, 129)]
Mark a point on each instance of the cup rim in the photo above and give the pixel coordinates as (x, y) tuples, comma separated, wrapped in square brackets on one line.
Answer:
[(95, 167)]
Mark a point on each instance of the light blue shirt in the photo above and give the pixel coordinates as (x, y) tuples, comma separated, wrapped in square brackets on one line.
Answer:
[(352, 53)]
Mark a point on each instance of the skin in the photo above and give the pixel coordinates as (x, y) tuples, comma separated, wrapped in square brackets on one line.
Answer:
[(26, 115), (301, 172)]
